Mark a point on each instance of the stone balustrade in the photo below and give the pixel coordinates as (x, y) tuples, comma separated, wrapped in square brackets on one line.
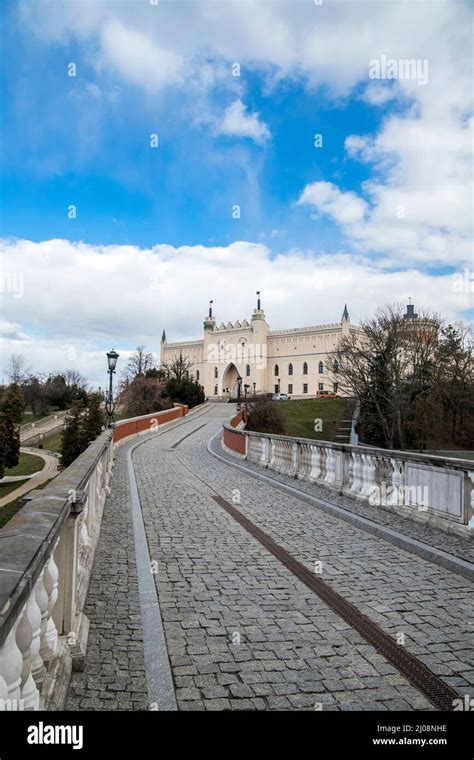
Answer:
[(439, 490), (46, 556)]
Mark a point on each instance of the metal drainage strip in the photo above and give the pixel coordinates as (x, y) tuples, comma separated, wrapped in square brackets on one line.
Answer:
[(422, 678), (175, 445)]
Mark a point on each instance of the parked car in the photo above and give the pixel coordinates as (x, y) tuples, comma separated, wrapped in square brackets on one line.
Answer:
[(280, 397)]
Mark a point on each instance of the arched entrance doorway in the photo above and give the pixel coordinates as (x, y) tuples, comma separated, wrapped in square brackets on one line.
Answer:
[(229, 381)]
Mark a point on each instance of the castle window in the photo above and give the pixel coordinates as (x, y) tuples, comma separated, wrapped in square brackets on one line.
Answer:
[(197, 375), (305, 388), (276, 370), (321, 369), (216, 372), (305, 369), (290, 388), (335, 387), (290, 369), (321, 386), (247, 370), (336, 366), (215, 390)]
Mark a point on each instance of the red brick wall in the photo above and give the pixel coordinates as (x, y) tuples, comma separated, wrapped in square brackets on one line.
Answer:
[(148, 422), (234, 440)]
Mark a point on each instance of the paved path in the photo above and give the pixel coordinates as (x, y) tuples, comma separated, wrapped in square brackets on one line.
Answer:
[(242, 632), (48, 425), (50, 470)]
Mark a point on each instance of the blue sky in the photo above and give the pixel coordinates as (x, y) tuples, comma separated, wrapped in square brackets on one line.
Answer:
[(181, 193), (379, 213)]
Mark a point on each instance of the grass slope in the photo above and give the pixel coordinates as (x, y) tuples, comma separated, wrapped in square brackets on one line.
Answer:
[(27, 465), (10, 509), (301, 415)]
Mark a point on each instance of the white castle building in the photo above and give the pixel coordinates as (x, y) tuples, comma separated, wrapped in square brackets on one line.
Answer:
[(294, 361)]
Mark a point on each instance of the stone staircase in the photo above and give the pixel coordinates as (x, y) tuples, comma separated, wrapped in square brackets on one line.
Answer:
[(343, 427)]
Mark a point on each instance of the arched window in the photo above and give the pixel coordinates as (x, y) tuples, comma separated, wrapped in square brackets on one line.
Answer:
[(276, 371), (305, 369), (216, 372), (290, 369), (215, 390), (321, 368), (336, 366), (247, 370), (197, 375)]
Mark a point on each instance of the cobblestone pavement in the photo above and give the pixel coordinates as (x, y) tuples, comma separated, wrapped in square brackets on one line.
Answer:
[(242, 631), (114, 676), (214, 579), (432, 536)]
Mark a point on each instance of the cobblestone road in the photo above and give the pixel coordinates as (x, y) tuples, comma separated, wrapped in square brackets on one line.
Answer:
[(242, 631)]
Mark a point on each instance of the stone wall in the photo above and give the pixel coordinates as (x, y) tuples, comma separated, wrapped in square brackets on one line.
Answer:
[(438, 490)]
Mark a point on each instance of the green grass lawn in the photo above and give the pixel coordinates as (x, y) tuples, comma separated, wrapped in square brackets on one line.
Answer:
[(301, 415), (30, 417), (6, 488), (27, 465), (10, 509), (52, 442)]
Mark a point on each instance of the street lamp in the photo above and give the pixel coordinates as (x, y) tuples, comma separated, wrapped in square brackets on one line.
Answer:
[(112, 357), (254, 387), (239, 390)]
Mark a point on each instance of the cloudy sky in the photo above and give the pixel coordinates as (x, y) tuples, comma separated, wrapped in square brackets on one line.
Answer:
[(160, 153)]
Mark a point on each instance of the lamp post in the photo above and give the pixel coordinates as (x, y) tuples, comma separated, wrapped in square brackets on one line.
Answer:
[(112, 357), (239, 390), (254, 387)]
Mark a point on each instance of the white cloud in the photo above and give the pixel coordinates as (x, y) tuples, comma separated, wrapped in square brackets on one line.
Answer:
[(379, 94), (90, 299), (138, 59), (343, 207), (416, 206), (238, 123)]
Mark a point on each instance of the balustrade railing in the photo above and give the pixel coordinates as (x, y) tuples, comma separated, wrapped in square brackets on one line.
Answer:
[(440, 489), (46, 554)]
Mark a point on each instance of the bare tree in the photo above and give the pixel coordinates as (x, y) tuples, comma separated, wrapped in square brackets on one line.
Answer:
[(388, 366), (139, 363), (18, 370), (179, 368), (73, 377)]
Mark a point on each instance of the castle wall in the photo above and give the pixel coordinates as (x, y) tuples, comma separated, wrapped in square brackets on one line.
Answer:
[(250, 349)]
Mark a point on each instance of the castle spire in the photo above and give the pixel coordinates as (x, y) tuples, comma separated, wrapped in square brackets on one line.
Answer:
[(345, 314), (258, 300), (210, 322), (163, 337)]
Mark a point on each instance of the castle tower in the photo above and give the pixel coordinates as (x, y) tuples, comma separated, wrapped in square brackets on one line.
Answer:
[(258, 362), (345, 321), (209, 351), (163, 343), (209, 322)]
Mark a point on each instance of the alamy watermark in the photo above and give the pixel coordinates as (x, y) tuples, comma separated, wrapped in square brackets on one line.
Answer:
[(399, 496), (415, 69)]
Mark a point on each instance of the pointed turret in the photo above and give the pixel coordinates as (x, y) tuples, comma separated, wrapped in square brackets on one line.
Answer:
[(210, 322), (163, 337), (345, 314), (258, 313), (410, 312)]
